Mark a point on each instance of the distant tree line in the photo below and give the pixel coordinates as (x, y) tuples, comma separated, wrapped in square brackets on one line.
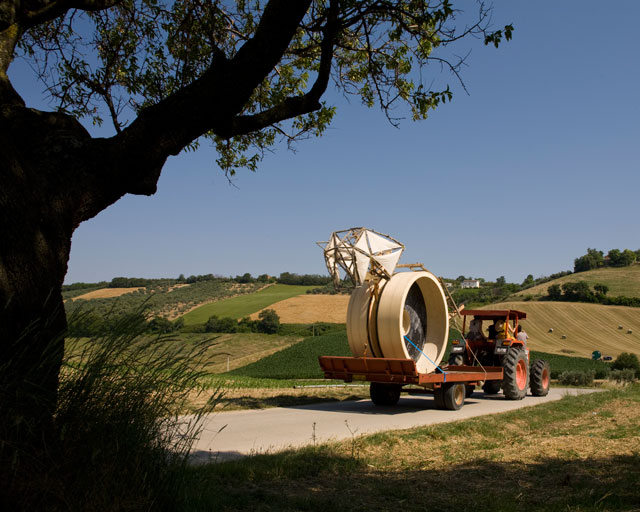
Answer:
[(614, 258), (83, 286), (581, 292), (89, 324)]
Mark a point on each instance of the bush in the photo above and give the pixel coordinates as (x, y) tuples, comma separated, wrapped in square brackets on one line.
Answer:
[(221, 325), (625, 361), (269, 321), (577, 378), (620, 376)]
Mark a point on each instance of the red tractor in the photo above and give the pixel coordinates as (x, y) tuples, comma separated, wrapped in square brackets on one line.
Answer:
[(499, 346)]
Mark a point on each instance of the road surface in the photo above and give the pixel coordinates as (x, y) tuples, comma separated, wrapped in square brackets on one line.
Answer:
[(229, 435)]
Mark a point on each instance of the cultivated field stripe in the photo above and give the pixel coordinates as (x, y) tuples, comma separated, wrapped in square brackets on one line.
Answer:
[(245, 305)]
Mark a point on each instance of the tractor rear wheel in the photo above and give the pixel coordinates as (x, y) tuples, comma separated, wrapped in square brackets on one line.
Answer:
[(540, 378), (491, 387), (516, 374), (384, 394)]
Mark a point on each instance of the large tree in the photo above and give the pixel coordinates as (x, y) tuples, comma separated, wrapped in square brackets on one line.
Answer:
[(168, 76)]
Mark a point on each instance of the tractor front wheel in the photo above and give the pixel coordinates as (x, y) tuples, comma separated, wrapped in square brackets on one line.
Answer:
[(384, 394), (491, 387), (516, 374), (540, 378)]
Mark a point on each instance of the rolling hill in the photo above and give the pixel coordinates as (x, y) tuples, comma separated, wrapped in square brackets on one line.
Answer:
[(624, 281), (244, 305), (587, 327)]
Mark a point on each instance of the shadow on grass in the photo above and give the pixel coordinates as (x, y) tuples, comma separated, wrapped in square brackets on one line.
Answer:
[(250, 402), (318, 480)]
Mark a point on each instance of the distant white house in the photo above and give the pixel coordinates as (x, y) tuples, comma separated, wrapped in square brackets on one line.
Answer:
[(470, 283)]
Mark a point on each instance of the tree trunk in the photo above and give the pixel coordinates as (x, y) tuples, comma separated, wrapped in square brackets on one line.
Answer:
[(34, 250)]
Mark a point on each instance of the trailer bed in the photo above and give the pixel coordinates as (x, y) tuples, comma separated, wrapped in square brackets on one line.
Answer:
[(402, 371)]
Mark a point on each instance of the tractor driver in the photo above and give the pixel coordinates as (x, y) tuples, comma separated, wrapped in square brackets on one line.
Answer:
[(497, 331), (475, 331)]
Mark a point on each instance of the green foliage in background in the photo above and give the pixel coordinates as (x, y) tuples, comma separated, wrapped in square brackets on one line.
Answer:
[(627, 361)]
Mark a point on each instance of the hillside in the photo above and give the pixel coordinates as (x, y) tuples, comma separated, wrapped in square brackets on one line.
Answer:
[(623, 281), (307, 309), (245, 305), (588, 327)]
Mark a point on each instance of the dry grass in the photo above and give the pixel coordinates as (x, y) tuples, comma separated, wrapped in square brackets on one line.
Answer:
[(581, 453), (623, 281), (587, 327), (308, 309), (107, 293)]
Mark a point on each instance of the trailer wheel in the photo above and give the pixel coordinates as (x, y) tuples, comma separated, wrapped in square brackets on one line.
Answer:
[(438, 398), (453, 395), (384, 394), (540, 377), (516, 374), (491, 387), (456, 360)]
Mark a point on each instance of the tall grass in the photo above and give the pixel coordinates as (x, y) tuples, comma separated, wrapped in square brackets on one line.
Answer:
[(118, 441)]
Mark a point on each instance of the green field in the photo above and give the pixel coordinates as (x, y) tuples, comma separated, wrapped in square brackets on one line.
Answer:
[(245, 305), (300, 361), (624, 281)]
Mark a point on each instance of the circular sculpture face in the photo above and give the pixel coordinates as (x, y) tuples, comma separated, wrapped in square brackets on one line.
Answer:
[(414, 322), (408, 319)]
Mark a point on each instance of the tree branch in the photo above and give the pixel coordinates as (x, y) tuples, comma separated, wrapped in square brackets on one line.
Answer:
[(298, 105), (213, 100)]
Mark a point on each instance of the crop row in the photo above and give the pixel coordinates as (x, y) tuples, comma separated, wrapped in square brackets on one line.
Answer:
[(300, 361)]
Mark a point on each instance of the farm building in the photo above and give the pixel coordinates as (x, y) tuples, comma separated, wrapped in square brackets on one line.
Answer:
[(470, 283)]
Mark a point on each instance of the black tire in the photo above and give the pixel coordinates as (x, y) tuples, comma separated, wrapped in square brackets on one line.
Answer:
[(384, 394), (456, 360), (540, 377), (516, 374), (438, 398), (491, 387), (453, 396)]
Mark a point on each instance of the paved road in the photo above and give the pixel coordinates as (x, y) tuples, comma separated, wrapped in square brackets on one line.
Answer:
[(233, 434)]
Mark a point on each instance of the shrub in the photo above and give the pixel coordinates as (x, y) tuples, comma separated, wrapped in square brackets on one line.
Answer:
[(577, 378), (222, 325), (269, 321), (625, 361), (620, 376), (116, 441)]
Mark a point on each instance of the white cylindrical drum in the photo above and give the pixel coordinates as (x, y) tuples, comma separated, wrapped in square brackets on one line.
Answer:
[(411, 305)]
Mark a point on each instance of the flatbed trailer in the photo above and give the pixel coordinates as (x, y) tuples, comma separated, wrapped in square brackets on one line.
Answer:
[(449, 384)]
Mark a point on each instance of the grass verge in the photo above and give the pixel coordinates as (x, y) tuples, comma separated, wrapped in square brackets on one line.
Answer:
[(580, 453)]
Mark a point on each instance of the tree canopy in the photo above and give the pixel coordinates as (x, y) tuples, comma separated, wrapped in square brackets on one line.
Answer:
[(111, 60)]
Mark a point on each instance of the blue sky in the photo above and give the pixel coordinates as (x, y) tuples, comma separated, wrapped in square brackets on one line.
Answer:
[(539, 162)]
